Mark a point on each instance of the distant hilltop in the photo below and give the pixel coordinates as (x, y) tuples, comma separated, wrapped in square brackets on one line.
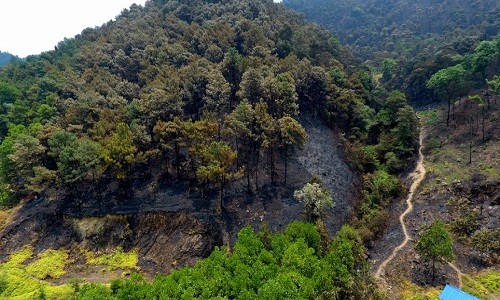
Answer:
[(5, 57)]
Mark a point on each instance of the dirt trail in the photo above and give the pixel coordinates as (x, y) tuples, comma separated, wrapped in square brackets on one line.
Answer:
[(459, 274), (416, 176)]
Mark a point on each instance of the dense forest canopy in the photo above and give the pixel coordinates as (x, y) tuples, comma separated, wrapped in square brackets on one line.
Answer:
[(5, 58), (407, 41), (163, 80)]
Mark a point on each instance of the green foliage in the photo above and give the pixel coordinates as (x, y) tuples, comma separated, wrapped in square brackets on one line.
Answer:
[(488, 242), (396, 39), (411, 291), (217, 164), (5, 57), (289, 267), (447, 81), (484, 285), (118, 151), (110, 100), (315, 200), (94, 291), (306, 231), (76, 158), (382, 188), (435, 244)]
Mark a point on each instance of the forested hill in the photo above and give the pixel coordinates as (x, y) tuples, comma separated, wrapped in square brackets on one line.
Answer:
[(407, 41), (163, 119), (160, 82), (206, 92), (5, 57), (380, 25)]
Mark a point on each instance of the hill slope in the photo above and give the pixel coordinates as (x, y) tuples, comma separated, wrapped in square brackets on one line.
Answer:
[(183, 121), (406, 41)]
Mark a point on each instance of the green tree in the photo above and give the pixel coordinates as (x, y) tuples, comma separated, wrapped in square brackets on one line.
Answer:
[(232, 68), (292, 135), (388, 67), (315, 199), (218, 161), (25, 157), (239, 126), (347, 256), (118, 150), (264, 138), (217, 97), (494, 87), (251, 87), (80, 160), (448, 83), (435, 244), (171, 137), (8, 95)]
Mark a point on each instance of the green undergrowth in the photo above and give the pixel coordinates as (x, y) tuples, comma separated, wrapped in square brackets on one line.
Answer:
[(50, 264), (117, 259), (485, 285), (413, 292), (19, 281), (25, 276)]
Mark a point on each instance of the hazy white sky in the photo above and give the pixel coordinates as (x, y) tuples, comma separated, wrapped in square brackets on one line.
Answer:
[(33, 26)]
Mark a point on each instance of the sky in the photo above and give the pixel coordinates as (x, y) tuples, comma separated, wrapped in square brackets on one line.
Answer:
[(33, 26)]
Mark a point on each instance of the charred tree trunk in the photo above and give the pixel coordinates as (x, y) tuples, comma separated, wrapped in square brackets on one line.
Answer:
[(448, 112), (471, 133), (433, 270), (286, 166)]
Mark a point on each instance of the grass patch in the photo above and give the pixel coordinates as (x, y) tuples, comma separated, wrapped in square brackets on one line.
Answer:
[(118, 259), (485, 285), (17, 283), (50, 264), (411, 291)]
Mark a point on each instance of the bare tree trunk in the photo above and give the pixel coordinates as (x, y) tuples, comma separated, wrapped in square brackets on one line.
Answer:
[(222, 185), (448, 113), (271, 164), (257, 171), (453, 110), (433, 271), (249, 189), (471, 127), (286, 166), (482, 124)]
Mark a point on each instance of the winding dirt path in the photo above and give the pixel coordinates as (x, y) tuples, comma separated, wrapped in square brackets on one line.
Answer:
[(459, 274), (416, 176)]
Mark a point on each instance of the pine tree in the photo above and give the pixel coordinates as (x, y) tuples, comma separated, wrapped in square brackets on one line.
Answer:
[(435, 244)]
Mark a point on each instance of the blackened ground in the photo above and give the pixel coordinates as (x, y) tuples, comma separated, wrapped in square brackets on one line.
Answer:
[(168, 220)]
